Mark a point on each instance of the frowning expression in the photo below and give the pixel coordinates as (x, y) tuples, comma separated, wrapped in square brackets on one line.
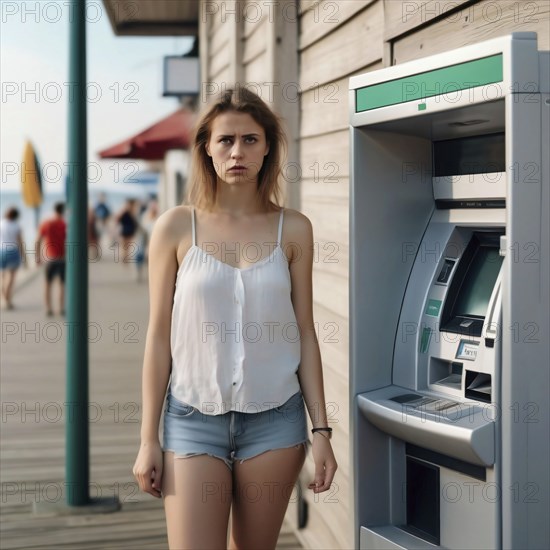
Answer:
[(237, 146)]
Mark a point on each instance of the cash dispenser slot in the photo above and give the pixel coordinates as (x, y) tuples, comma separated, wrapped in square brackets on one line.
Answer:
[(478, 386), (446, 373)]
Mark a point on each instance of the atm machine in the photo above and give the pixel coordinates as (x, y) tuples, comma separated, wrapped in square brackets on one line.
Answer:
[(449, 299)]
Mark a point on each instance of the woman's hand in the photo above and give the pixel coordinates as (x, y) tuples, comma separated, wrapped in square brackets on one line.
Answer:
[(148, 468), (325, 463)]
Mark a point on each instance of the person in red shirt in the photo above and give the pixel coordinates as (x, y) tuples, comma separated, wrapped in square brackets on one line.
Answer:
[(53, 233)]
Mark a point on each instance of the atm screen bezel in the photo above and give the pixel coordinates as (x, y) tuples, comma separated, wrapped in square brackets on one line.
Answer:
[(450, 320)]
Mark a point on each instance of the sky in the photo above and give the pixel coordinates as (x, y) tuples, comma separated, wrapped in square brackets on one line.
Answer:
[(124, 90)]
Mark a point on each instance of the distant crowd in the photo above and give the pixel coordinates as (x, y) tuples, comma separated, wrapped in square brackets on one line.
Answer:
[(126, 233)]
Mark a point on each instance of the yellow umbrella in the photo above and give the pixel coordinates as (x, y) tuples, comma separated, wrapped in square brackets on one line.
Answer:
[(31, 180)]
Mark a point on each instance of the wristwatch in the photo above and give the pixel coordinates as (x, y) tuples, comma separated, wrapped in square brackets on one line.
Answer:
[(329, 430)]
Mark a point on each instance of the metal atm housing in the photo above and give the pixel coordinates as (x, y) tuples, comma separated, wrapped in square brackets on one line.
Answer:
[(449, 299)]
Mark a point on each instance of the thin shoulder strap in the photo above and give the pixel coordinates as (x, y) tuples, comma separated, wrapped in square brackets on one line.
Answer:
[(193, 224), (280, 227)]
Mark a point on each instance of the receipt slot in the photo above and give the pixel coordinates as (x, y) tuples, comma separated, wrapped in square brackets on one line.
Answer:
[(449, 299)]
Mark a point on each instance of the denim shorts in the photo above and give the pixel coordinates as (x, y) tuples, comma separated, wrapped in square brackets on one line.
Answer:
[(10, 258), (234, 435)]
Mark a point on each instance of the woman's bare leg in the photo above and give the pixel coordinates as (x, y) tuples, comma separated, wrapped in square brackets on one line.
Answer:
[(197, 494), (262, 487)]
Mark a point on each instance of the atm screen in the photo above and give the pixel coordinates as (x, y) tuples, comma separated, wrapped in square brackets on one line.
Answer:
[(475, 293), (471, 288)]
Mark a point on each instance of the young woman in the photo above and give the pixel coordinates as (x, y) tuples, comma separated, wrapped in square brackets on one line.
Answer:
[(231, 325)]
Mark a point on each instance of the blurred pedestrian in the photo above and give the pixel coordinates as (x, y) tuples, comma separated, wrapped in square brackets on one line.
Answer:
[(93, 235), (128, 227), (146, 222), (102, 212), (12, 252), (53, 233)]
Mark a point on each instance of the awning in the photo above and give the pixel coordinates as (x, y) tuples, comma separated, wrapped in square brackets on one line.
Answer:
[(172, 132)]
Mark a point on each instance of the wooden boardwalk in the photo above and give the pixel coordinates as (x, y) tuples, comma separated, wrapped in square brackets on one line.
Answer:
[(32, 392)]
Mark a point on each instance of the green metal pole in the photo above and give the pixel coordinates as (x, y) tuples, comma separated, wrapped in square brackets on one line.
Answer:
[(76, 427)]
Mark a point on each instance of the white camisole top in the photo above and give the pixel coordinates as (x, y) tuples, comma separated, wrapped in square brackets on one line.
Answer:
[(235, 342)]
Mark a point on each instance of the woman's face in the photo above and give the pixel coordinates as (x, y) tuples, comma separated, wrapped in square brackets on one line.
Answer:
[(237, 146)]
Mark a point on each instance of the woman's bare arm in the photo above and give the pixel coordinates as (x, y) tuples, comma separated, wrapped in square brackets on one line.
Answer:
[(310, 372), (157, 357)]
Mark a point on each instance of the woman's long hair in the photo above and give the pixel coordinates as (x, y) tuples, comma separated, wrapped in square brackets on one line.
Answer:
[(203, 178)]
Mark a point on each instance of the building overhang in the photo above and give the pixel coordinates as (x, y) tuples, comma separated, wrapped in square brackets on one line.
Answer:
[(153, 17)]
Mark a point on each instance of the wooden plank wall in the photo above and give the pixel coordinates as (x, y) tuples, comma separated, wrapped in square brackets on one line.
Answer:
[(416, 31), (254, 60), (219, 31), (335, 40)]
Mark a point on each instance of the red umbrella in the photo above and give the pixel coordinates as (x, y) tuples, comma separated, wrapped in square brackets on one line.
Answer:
[(172, 132)]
